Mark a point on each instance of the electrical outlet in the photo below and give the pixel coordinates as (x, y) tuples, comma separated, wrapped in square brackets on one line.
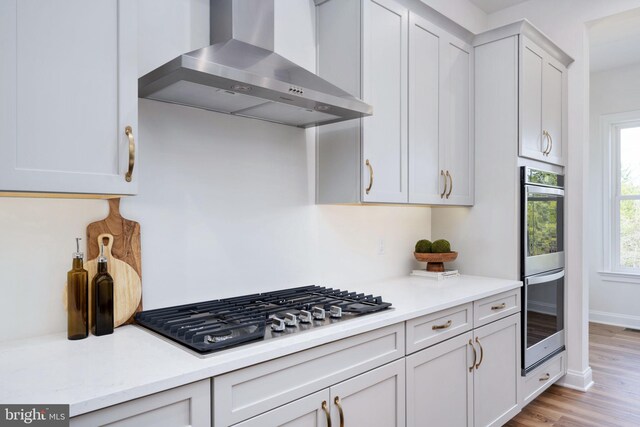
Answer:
[(381, 246)]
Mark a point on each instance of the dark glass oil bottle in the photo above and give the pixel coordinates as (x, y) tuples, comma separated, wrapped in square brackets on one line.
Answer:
[(102, 286), (77, 298)]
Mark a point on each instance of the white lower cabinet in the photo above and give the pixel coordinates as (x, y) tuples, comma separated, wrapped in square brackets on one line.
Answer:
[(373, 399), (497, 372), (469, 380), (188, 405), (309, 411), (440, 385)]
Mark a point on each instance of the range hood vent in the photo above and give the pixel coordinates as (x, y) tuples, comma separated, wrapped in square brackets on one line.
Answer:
[(240, 74)]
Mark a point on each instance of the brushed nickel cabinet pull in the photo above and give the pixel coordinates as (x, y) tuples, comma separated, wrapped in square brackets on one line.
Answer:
[(481, 353), (450, 184), (445, 184), (545, 377), (445, 326), (475, 356), (132, 153), (368, 163), (337, 402), (499, 306), (326, 412)]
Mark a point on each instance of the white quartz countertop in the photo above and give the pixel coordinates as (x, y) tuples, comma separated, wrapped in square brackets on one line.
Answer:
[(97, 372)]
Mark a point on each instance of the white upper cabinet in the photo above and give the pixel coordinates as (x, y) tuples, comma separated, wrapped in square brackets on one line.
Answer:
[(384, 83), (419, 80), (543, 100), (440, 116), (68, 92), (457, 100), (426, 152)]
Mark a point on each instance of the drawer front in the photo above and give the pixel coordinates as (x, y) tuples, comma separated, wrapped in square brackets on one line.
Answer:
[(245, 393), (496, 307), (543, 376), (189, 405), (433, 328)]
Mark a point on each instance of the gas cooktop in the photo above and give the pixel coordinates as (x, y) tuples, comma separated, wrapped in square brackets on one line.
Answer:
[(219, 324)]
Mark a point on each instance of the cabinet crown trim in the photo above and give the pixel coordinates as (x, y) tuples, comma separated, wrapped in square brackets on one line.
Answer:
[(526, 28)]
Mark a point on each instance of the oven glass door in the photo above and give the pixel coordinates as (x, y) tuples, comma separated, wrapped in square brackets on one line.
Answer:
[(543, 239), (544, 317)]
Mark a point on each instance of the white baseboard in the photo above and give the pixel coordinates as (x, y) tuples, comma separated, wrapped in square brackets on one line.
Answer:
[(616, 319), (581, 381)]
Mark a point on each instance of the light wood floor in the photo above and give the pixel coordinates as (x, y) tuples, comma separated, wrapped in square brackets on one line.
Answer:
[(614, 400)]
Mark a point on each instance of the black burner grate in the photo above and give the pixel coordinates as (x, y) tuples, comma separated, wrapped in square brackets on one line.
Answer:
[(215, 325)]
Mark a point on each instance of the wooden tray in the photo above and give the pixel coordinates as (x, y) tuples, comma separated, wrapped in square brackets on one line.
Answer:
[(435, 261)]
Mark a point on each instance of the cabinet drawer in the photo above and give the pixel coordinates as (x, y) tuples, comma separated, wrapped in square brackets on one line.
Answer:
[(248, 392), (433, 328), (543, 376), (496, 307), (189, 405)]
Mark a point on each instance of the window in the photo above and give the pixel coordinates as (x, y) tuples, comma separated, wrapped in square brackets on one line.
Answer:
[(622, 133)]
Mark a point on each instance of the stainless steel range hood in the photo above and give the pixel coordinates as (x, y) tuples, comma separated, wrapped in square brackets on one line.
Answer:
[(240, 74)]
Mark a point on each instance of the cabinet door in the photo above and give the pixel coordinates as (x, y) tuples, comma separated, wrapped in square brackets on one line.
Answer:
[(373, 399), (305, 412), (553, 90), (495, 385), (188, 405), (426, 184), (384, 80), (68, 90), (532, 143), (440, 384), (456, 139)]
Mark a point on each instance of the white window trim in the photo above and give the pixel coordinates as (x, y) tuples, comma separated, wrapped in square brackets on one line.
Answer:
[(609, 126)]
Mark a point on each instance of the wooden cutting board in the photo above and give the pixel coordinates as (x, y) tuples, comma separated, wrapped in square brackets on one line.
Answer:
[(126, 242), (127, 287)]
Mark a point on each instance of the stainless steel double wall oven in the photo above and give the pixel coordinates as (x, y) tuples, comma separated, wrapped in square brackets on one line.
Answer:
[(542, 216)]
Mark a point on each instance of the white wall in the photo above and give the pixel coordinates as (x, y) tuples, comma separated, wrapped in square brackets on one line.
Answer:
[(612, 91), (226, 203), (564, 22)]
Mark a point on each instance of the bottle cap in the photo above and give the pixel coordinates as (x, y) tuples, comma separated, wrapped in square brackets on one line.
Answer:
[(102, 258), (77, 254)]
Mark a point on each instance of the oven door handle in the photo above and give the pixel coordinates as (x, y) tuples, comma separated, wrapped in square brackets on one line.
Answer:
[(534, 280), (534, 189)]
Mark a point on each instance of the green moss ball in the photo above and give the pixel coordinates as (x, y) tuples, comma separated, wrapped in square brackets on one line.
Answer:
[(440, 246), (423, 246)]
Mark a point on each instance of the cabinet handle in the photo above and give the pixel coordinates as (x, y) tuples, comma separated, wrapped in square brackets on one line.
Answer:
[(337, 402), (445, 326), (481, 353), (368, 163), (445, 184), (475, 356), (550, 143), (326, 412), (450, 184), (545, 135), (545, 377), (132, 153), (499, 306)]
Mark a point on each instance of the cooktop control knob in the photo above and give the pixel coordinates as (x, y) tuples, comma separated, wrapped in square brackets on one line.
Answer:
[(277, 324), (305, 316), (318, 313), (336, 312), (290, 320)]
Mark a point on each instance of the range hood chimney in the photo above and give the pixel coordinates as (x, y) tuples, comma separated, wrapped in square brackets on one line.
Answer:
[(241, 74)]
